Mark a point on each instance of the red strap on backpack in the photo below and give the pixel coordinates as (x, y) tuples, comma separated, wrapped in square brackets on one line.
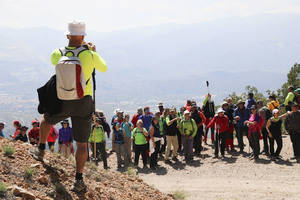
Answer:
[(80, 91)]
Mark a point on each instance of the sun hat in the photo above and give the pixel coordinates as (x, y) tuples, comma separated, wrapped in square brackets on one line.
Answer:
[(275, 111), (225, 103), (76, 28), (34, 122), (220, 110), (186, 112), (160, 104), (241, 102)]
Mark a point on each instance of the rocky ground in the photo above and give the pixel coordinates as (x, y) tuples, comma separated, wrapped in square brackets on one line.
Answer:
[(233, 178), (22, 177)]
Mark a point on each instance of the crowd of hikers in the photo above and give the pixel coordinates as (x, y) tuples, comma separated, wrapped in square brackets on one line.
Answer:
[(166, 133)]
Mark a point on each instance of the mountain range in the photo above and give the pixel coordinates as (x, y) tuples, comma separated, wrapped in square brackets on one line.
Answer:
[(168, 63)]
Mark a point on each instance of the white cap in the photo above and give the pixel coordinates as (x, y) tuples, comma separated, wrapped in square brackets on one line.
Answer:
[(160, 104), (220, 110), (275, 111), (186, 112), (76, 28)]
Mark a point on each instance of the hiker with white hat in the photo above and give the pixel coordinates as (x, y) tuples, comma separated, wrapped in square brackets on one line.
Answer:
[(188, 129), (274, 128), (220, 121), (160, 107), (75, 67)]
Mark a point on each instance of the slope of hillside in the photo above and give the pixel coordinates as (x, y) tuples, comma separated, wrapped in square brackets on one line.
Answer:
[(24, 176)]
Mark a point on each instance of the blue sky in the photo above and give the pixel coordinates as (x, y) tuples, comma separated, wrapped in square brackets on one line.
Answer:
[(110, 15)]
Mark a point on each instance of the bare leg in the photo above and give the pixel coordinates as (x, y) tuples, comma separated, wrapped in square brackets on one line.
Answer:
[(81, 156), (44, 131)]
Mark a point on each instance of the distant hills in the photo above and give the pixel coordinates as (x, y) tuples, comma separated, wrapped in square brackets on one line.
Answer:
[(164, 63)]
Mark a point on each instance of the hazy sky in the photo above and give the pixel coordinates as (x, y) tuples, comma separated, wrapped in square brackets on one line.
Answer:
[(109, 15)]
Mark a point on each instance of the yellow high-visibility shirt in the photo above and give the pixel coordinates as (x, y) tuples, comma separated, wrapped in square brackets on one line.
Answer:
[(89, 60), (273, 105)]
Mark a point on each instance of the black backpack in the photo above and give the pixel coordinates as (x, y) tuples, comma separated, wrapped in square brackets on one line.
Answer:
[(48, 100), (268, 114)]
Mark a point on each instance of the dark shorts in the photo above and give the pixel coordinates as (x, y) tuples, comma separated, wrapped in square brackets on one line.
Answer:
[(80, 112)]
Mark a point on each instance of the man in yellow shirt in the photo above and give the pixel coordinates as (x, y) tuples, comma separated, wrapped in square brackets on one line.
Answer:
[(80, 110), (289, 99)]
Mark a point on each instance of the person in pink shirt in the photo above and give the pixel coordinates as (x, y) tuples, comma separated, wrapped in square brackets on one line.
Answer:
[(254, 124)]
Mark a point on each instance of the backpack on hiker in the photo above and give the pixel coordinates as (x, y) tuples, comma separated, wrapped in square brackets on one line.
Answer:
[(70, 79)]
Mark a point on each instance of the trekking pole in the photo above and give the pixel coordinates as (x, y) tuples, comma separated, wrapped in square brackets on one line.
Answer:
[(210, 108), (94, 132), (207, 85)]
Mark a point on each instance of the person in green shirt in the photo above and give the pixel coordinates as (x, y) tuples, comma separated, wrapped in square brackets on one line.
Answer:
[(97, 142), (139, 135), (289, 99), (80, 110), (188, 130)]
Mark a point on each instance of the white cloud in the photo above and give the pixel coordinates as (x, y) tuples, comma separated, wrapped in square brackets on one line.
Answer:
[(103, 15)]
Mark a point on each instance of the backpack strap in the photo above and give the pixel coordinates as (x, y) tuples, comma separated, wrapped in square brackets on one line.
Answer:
[(75, 52), (192, 125)]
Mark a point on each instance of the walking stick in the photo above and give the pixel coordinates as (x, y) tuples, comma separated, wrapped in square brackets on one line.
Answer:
[(94, 144)]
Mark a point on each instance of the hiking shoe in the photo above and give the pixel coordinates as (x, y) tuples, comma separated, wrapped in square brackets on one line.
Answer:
[(79, 186), (37, 154)]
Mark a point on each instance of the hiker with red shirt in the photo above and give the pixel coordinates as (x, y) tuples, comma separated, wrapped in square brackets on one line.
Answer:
[(188, 105), (254, 123), (34, 133), (136, 116), (229, 113), (52, 137), (18, 126), (220, 121)]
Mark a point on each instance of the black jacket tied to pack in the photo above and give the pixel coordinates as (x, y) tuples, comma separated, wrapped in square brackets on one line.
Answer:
[(49, 102)]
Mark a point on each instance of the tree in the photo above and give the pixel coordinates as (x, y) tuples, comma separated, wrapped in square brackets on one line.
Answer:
[(258, 96), (292, 79)]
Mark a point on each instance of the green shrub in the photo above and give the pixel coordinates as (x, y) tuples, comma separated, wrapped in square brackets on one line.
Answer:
[(131, 171), (3, 189), (8, 150), (29, 173), (179, 195)]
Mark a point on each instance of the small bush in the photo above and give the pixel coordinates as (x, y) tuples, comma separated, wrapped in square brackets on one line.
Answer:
[(29, 173), (98, 178), (3, 189), (92, 166), (131, 171), (8, 150), (179, 195)]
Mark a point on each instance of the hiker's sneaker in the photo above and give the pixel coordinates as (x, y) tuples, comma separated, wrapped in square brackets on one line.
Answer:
[(79, 186), (37, 154)]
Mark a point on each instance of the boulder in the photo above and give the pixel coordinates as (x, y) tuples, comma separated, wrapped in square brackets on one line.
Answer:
[(20, 192)]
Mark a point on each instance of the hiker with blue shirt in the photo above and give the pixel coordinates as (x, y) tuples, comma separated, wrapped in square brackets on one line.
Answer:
[(127, 126), (1, 129), (146, 118), (241, 114), (250, 101), (118, 142)]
